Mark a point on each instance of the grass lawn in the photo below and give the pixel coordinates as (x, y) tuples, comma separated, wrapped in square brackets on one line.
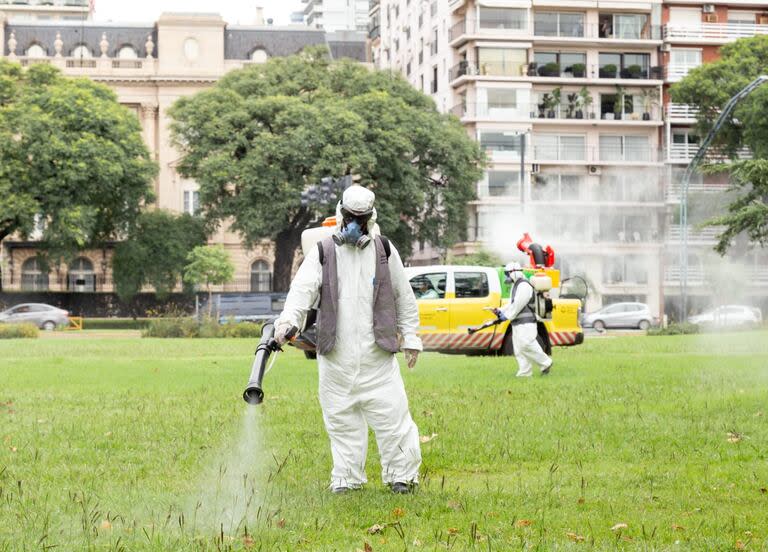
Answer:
[(632, 443)]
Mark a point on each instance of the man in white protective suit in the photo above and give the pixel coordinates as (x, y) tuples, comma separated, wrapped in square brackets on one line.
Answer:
[(519, 311), (366, 310)]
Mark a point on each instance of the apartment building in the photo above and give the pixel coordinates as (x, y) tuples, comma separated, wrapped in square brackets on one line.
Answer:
[(336, 15), (45, 10), (565, 98), (149, 66), (693, 33)]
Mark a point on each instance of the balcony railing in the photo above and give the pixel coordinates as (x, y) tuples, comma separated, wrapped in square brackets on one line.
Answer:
[(714, 31), (67, 3), (598, 155), (488, 26), (696, 275), (674, 191), (374, 32), (708, 234), (681, 111), (554, 70), (674, 73), (686, 152), (598, 32)]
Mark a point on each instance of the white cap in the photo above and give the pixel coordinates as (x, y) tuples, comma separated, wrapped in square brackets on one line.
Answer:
[(358, 200), (511, 267)]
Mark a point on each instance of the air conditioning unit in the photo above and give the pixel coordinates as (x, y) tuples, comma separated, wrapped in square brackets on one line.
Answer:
[(535, 168), (666, 47), (708, 8), (595, 170)]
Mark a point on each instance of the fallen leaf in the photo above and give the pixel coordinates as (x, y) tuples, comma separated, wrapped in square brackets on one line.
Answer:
[(14, 449), (740, 545), (748, 534), (281, 523), (523, 523), (248, 541), (581, 500), (734, 437), (375, 528), (452, 530), (626, 538), (676, 527), (367, 547), (492, 514), (107, 434), (619, 527), (427, 438), (763, 490), (575, 538), (428, 413), (397, 513), (105, 524), (454, 505), (416, 542), (758, 414)]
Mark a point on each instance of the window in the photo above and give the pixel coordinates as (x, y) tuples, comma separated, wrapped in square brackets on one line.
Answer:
[(625, 66), (685, 58), (625, 270), (625, 186), (81, 277), (501, 61), (261, 276), (429, 286), (259, 55), (631, 26), (551, 147), (501, 141), (434, 79), (499, 101), (626, 228), (742, 17), (503, 18), (471, 284), (82, 51), (36, 51), (127, 52), (434, 44), (624, 148), (555, 64), (567, 226), (33, 276), (408, 68), (556, 187), (433, 9), (191, 202), (504, 183), (558, 24)]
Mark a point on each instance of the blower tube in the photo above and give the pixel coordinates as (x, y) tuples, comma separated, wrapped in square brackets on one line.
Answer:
[(253, 393)]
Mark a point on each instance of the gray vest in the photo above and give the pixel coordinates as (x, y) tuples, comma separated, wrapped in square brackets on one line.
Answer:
[(527, 315), (384, 310)]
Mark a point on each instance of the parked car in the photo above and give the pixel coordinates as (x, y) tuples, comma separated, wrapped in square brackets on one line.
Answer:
[(43, 316), (621, 315), (729, 316)]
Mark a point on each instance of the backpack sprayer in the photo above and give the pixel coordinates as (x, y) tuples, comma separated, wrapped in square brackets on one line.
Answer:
[(253, 393), (540, 258)]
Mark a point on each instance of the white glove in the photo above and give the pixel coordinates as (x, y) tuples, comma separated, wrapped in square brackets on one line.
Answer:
[(280, 332), (411, 356)]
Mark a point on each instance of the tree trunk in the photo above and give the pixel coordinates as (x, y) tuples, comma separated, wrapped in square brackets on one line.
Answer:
[(286, 243)]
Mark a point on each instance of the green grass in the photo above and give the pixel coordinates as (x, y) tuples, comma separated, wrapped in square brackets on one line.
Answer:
[(110, 444)]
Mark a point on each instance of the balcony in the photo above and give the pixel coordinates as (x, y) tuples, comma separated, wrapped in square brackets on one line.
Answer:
[(672, 275), (675, 73), (681, 112), (95, 67), (465, 29), (554, 72), (575, 113), (706, 236), (594, 33), (684, 153), (574, 154), (674, 191), (716, 33)]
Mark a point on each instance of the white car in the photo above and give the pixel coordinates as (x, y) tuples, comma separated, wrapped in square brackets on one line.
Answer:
[(621, 315), (729, 316), (43, 316)]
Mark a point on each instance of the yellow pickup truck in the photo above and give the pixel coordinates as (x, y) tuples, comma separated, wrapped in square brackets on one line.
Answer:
[(454, 298)]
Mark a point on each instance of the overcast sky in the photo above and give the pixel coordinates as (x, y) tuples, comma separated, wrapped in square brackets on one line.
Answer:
[(233, 11)]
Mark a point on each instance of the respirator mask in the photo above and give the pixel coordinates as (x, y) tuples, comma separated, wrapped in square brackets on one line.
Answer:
[(354, 230)]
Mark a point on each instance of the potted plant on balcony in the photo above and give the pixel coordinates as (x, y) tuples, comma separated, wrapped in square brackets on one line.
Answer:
[(578, 70), (585, 103), (550, 69), (532, 69), (650, 99), (549, 105), (608, 71), (542, 105), (573, 103), (618, 104), (634, 72)]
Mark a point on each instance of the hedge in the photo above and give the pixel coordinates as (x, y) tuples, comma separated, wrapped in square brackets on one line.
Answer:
[(11, 331), (115, 323), (190, 327), (676, 329)]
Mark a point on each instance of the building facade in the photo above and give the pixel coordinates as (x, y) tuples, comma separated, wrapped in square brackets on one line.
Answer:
[(149, 67), (45, 10), (336, 15), (569, 101)]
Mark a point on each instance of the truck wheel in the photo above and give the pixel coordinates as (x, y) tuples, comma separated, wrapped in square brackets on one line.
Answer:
[(644, 325), (507, 348), (311, 355), (599, 326)]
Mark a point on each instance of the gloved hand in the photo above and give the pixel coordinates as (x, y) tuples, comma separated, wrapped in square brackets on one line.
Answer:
[(411, 356), (281, 332), (499, 314)]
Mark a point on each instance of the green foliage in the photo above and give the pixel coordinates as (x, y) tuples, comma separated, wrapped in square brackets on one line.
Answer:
[(13, 331), (155, 252), (680, 328), (263, 134), (206, 328), (208, 265), (115, 323), (481, 258), (748, 213), (71, 157)]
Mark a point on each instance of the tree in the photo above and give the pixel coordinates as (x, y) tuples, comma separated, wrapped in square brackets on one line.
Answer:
[(209, 265), (481, 258), (155, 253), (72, 160), (708, 88), (265, 133)]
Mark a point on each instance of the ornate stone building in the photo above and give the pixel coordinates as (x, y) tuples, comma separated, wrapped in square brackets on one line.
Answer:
[(149, 67)]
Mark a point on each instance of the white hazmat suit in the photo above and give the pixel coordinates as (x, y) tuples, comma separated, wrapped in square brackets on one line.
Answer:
[(360, 383), (528, 351)]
